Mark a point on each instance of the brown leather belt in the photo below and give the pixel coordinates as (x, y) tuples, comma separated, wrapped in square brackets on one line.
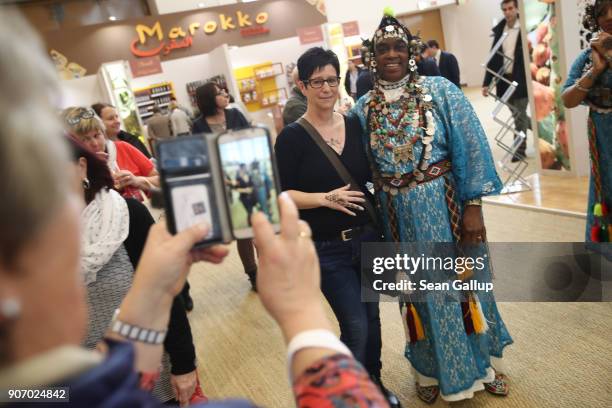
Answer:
[(433, 172)]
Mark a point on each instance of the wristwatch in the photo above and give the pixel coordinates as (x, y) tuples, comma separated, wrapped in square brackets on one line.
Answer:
[(135, 333)]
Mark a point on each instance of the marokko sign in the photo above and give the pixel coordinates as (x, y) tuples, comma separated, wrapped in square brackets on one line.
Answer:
[(179, 35)]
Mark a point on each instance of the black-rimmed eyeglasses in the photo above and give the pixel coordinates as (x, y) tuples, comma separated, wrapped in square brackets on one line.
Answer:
[(318, 83)]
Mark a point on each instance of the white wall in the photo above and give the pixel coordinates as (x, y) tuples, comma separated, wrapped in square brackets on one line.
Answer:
[(467, 30), (175, 6), (179, 72), (80, 92)]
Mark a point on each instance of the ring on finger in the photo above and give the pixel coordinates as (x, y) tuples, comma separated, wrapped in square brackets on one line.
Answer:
[(305, 234)]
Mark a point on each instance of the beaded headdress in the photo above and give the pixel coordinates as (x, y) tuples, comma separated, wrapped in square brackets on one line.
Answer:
[(592, 11), (390, 27)]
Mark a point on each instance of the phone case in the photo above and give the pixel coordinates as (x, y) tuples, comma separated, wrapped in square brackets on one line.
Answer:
[(192, 182)]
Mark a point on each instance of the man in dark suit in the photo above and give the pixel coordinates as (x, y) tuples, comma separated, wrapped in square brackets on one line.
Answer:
[(513, 48), (446, 62), (425, 64)]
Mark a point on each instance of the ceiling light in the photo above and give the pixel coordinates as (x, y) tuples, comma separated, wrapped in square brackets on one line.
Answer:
[(112, 18), (201, 5)]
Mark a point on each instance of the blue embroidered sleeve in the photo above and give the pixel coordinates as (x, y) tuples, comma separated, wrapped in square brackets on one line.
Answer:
[(575, 72), (470, 154)]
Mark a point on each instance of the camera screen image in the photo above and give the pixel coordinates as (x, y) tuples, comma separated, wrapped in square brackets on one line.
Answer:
[(249, 179), (191, 205)]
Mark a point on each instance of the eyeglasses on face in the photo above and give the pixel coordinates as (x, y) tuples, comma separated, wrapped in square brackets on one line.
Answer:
[(83, 114), (222, 92), (319, 82)]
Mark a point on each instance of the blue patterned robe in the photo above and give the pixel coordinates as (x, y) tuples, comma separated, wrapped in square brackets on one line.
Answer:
[(603, 132), (449, 355)]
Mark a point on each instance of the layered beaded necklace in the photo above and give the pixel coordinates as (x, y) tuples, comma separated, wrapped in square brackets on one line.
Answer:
[(389, 132)]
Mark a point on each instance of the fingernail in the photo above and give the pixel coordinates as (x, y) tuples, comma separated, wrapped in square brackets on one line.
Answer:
[(203, 227), (285, 196)]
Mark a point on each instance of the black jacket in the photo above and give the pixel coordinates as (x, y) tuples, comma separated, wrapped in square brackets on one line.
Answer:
[(518, 69), (134, 141), (347, 80), (428, 67), (364, 83), (449, 68), (233, 120), (179, 341)]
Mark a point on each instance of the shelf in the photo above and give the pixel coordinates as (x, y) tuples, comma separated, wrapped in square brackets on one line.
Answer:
[(160, 94), (145, 103)]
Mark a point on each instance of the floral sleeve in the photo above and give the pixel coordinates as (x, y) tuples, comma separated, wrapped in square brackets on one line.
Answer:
[(338, 381)]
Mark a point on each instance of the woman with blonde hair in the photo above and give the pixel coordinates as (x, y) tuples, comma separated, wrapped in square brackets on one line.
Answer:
[(131, 170)]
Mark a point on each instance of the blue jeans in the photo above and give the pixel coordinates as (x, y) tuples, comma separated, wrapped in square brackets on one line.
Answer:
[(341, 285)]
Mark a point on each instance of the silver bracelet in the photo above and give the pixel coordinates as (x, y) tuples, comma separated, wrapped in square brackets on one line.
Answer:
[(474, 201), (135, 333), (581, 88)]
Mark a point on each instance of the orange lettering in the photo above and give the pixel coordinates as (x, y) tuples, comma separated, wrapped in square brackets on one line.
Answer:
[(176, 32), (243, 19), (143, 30), (226, 22), (261, 18), (145, 53), (193, 27), (210, 27)]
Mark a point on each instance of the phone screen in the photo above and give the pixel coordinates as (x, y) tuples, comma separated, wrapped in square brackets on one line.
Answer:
[(249, 176), (188, 181)]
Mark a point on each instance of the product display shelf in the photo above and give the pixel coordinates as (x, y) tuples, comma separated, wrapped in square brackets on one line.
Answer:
[(155, 95)]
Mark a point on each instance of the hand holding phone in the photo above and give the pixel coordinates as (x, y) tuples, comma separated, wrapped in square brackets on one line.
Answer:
[(201, 175)]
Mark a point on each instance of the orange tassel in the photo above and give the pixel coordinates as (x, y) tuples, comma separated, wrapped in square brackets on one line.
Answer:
[(418, 325), (478, 318)]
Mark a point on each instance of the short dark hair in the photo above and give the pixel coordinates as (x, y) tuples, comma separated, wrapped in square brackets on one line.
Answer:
[(509, 1), (98, 107), (206, 97), (314, 59), (156, 109), (98, 174), (433, 44)]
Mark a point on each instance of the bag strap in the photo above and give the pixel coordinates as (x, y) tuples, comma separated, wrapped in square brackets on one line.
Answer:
[(335, 161)]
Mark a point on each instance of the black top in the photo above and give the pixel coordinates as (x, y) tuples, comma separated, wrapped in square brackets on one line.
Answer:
[(179, 341), (303, 167), (518, 68), (134, 141), (233, 120)]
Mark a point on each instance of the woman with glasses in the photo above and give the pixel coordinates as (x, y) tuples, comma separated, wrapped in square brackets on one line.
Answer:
[(132, 172), (333, 209), (216, 117)]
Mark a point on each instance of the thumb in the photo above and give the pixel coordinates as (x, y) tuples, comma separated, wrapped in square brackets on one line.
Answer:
[(186, 239)]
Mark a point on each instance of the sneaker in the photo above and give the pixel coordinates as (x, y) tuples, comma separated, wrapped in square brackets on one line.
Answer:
[(389, 395)]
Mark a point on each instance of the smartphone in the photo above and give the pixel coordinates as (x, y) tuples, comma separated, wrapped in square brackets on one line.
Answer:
[(189, 187), (250, 178)]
